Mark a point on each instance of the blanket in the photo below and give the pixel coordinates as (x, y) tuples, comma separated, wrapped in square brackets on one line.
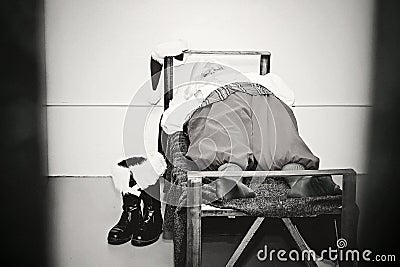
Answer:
[(245, 124)]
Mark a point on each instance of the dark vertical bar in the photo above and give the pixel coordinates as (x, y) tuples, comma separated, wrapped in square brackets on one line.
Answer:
[(379, 195), (168, 81), (265, 64), (23, 177), (168, 94)]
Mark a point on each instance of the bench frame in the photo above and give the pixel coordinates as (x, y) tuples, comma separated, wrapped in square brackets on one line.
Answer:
[(348, 212)]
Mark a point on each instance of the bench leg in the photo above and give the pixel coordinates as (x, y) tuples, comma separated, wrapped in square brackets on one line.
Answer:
[(301, 244), (193, 249), (253, 229), (349, 217)]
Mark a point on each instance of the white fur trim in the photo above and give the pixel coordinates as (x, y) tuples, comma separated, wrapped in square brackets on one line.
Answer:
[(157, 58), (158, 162), (168, 49), (148, 173), (120, 177)]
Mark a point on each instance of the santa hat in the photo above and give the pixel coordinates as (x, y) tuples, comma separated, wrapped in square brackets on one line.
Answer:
[(135, 173), (168, 49)]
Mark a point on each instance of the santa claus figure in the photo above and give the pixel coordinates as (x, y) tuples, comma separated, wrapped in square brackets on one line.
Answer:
[(136, 177)]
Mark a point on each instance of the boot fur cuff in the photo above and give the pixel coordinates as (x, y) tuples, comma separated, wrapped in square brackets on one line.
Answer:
[(120, 176), (145, 170)]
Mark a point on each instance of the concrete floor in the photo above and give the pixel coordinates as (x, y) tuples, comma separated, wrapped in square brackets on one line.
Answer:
[(82, 210)]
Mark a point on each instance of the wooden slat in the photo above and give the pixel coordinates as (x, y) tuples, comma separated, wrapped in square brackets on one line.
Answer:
[(215, 52), (236, 213), (222, 213), (270, 173), (253, 229)]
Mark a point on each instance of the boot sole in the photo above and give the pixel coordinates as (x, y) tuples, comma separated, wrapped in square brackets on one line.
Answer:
[(141, 243), (118, 241)]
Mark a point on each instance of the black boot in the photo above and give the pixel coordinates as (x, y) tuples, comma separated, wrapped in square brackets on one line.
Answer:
[(130, 222), (152, 222)]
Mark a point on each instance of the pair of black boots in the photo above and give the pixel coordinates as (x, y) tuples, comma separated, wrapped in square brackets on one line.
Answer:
[(142, 228)]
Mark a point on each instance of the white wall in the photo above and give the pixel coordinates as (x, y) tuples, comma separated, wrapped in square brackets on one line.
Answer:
[(98, 56)]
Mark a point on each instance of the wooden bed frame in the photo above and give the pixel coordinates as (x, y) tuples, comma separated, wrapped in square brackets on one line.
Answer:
[(265, 57), (348, 213)]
